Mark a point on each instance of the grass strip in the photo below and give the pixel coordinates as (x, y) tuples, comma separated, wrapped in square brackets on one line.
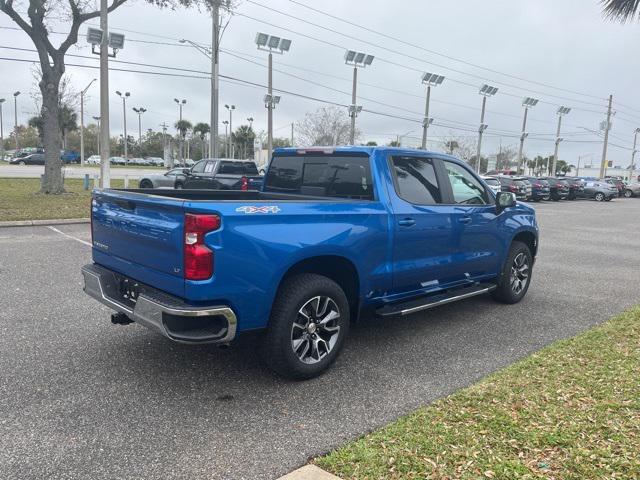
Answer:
[(569, 411)]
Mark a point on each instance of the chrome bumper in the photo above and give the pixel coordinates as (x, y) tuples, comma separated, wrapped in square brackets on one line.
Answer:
[(161, 312)]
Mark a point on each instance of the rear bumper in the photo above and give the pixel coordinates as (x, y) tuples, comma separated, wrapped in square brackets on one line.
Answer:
[(163, 313)]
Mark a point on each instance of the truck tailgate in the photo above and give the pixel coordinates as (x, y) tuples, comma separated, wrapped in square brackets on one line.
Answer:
[(140, 236)]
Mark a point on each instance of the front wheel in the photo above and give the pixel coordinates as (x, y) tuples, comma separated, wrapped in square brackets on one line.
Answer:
[(307, 328), (179, 186), (628, 193), (516, 274), (146, 184), (21, 163)]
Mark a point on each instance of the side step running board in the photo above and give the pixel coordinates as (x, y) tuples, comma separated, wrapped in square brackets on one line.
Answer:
[(425, 303)]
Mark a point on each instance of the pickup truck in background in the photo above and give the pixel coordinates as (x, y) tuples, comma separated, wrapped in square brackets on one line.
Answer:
[(335, 235), (223, 174)]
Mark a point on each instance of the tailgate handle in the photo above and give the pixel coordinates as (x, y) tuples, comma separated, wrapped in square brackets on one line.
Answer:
[(126, 204)]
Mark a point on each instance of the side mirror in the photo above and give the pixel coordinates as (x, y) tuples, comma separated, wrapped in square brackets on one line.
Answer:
[(505, 200)]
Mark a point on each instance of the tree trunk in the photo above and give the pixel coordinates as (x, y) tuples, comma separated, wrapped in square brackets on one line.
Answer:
[(50, 87)]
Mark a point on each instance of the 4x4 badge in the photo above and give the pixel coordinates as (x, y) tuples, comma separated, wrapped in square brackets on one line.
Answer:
[(262, 209)]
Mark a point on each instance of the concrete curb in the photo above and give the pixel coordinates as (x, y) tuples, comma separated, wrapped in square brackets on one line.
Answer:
[(309, 472), (38, 223)]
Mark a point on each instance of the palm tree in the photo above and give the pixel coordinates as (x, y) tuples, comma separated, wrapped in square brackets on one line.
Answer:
[(201, 129), (244, 135), (183, 126), (621, 10)]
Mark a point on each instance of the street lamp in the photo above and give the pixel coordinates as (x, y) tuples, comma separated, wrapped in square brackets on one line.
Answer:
[(357, 60), (82, 93), (430, 80), (231, 108), (15, 117), (633, 152), (271, 44), (124, 115), (2, 100), (226, 135), (139, 111), (485, 91), (561, 111), (527, 103)]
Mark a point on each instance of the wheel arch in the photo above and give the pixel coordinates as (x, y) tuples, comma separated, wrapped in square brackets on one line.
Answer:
[(335, 267), (529, 238)]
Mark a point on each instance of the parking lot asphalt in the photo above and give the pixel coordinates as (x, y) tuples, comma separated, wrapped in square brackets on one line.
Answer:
[(83, 399)]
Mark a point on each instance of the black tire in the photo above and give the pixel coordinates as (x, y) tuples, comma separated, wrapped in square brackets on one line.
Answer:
[(599, 197), (608, 199), (537, 199), (21, 163), (146, 184), (628, 193), (505, 293), (278, 342), (179, 186)]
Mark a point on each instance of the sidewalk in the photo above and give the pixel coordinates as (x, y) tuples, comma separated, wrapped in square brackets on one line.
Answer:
[(36, 223)]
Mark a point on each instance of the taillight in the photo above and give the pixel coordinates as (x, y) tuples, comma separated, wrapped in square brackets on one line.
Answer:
[(537, 185), (198, 258), (245, 184)]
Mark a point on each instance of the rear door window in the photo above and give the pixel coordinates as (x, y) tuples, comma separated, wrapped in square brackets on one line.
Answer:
[(323, 175), (415, 180)]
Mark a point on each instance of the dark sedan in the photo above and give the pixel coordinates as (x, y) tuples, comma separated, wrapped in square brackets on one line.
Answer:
[(558, 188), (576, 187), (31, 159), (513, 185), (539, 189)]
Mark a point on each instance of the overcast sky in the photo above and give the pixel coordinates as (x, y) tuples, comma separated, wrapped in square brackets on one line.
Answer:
[(566, 45)]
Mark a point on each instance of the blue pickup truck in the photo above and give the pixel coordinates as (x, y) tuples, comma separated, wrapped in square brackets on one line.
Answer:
[(335, 235)]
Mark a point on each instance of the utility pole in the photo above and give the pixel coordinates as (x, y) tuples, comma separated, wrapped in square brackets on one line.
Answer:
[(15, 118), (292, 134), (362, 60), (82, 93), (485, 91), (105, 178), (561, 111), (215, 88), (139, 111), (164, 142), (231, 108), (429, 79), (124, 116), (352, 134), (527, 103), (603, 164), (2, 100), (633, 154), (226, 135), (97, 119)]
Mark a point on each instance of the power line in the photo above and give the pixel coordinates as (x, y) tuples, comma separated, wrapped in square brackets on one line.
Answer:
[(397, 52)]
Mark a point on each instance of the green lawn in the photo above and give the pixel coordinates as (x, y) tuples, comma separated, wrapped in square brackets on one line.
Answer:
[(570, 411), (20, 200)]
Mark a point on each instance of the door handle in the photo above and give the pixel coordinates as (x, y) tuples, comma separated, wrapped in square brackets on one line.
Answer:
[(406, 222), (465, 220)]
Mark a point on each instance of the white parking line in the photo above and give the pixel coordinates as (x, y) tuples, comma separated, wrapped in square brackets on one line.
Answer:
[(69, 236)]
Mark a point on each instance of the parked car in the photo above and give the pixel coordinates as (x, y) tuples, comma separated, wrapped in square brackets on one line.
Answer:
[(618, 183), (155, 161), (69, 156), (93, 160), (515, 186), (117, 161), (576, 187), (493, 183), (31, 159), (600, 191), (333, 233), (632, 190), (174, 178), (558, 188), (539, 189), (223, 174)]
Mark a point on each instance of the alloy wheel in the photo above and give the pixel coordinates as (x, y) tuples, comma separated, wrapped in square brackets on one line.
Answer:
[(519, 273), (316, 329)]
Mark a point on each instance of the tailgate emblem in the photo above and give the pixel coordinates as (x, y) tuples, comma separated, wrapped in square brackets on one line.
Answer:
[(263, 209)]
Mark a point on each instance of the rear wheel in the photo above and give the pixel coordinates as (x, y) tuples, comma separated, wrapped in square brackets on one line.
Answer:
[(21, 163), (307, 328), (179, 186), (599, 197), (516, 274)]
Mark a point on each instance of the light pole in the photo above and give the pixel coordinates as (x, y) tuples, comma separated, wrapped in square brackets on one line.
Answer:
[(82, 93), (485, 91), (15, 117), (180, 103), (527, 103), (226, 133), (139, 111), (271, 44), (633, 153), (430, 80), (231, 108), (124, 115), (97, 119), (561, 111), (2, 100), (357, 60)]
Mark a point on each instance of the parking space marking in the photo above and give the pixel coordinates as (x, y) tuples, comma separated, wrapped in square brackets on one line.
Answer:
[(69, 236)]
